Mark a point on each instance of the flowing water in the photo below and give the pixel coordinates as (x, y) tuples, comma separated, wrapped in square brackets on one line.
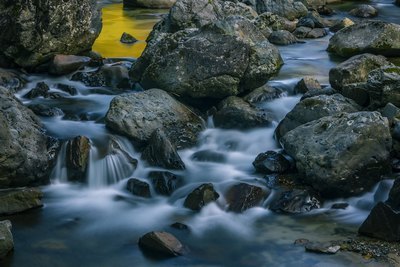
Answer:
[(98, 224)]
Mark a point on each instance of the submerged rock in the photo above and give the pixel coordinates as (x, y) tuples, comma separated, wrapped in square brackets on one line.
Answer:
[(376, 37), (149, 3), (341, 155), (364, 11), (241, 197), (6, 238), (64, 64), (18, 200), (200, 197), (77, 158), (324, 248), (26, 155), (271, 162), (138, 188), (46, 111), (41, 89), (138, 115), (295, 201), (33, 32), (208, 155), (162, 243), (126, 38), (165, 182)]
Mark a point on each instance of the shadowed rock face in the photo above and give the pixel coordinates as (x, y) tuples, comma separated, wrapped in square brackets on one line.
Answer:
[(34, 31), (149, 3), (6, 238)]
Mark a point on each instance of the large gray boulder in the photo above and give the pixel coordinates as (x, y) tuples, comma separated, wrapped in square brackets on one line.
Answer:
[(25, 154), (219, 60), (33, 31), (341, 155), (19, 200), (383, 86), (6, 238), (286, 8), (149, 3), (138, 115), (314, 108), (376, 37)]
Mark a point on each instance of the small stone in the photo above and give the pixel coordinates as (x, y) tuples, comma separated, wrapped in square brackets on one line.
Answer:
[(295, 201), (346, 22), (307, 84), (165, 182), (126, 38), (180, 226), (271, 162), (67, 88), (64, 64), (200, 197), (138, 188), (162, 243), (301, 242), (263, 94), (364, 11), (317, 33), (322, 248), (282, 37)]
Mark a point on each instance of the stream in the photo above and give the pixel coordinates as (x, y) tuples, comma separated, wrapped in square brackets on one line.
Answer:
[(99, 223)]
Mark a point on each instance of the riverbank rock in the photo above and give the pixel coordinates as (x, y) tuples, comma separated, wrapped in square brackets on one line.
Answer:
[(383, 86), (271, 162), (235, 113), (382, 223), (6, 238), (33, 32), (216, 61), (306, 32), (77, 158), (149, 3), (241, 197), (314, 108), (262, 94), (138, 188), (346, 22), (286, 8), (200, 197), (26, 155), (341, 155), (376, 37), (282, 37), (268, 22), (162, 243), (364, 11), (64, 64), (127, 112), (307, 84), (295, 201), (161, 153), (164, 182), (355, 69), (11, 80), (20, 199)]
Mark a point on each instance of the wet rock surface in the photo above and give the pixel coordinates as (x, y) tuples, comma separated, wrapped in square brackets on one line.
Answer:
[(262, 94), (64, 64), (6, 238), (162, 243), (126, 38), (138, 188), (241, 197), (11, 80), (149, 3), (165, 182), (295, 201), (20, 199), (364, 11), (307, 84), (201, 196), (271, 162), (78, 150)]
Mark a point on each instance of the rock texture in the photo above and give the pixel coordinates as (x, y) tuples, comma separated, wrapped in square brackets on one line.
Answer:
[(6, 238), (18, 200), (241, 197), (33, 31), (11, 80), (162, 243), (200, 197), (138, 188), (295, 201), (77, 151), (341, 155), (286, 8), (138, 115), (364, 11), (149, 3), (25, 151)]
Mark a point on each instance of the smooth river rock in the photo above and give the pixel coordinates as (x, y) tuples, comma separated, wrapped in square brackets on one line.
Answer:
[(200, 197), (20, 199), (162, 243), (149, 3)]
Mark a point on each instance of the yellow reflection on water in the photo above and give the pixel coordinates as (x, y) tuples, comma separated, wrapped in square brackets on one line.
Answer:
[(116, 20)]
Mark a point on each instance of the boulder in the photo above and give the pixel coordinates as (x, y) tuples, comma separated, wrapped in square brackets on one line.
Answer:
[(164, 182), (346, 22), (11, 80), (306, 32), (241, 197), (364, 11), (161, 153), (313, 108), (341, 155), (383, 86), (162, 243), (138, 188), (317, 92), (282, 37), (271, 162), (376, 37), (77, 158), (286, 8), (6, 238), (41, 89), (33, 32), (382, 223), (149, 3), (138, 115), (268, 22), (235, 113), (64, 64), (311, 20), (355, 70), (263, 94), (200, 197), (20, 199), (26, 153), (115, 76), (307, 84), (295, 201), (216, 61), (126, 38)]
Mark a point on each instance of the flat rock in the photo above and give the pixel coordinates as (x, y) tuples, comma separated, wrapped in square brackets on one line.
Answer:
[(19, 200)]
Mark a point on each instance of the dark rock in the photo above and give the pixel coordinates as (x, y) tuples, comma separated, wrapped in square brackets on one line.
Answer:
[(311, 20), (200, 197), (208, 156), (161, 153), (307, 84), (19, 200), (162, 243), (64, 64), (165, 182), (126, 38), (241, 197), (286, 8), (46, 111), (316, 33), (382, 223), (323, 91), (302, 32), (323, 248), (25, 152), (364, 11), (78, 150), (91, 79), (314, 108), (391, 112), (6, 238), (11, 80), (33, 32), (262, 94), (268, 22), (394, 195), (383, 86), (341, 155), (235, 113), (271, 162), (67, 88), (282, 37), (325, 10), (138, 188), (340, 206), (295, 201), (149, 3), (180, 226), (138, 115), (346, 22), (355, 70), (376, 37), (41, 89)]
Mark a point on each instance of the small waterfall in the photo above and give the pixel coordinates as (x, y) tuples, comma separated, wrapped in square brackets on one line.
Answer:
[(59, 172)]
